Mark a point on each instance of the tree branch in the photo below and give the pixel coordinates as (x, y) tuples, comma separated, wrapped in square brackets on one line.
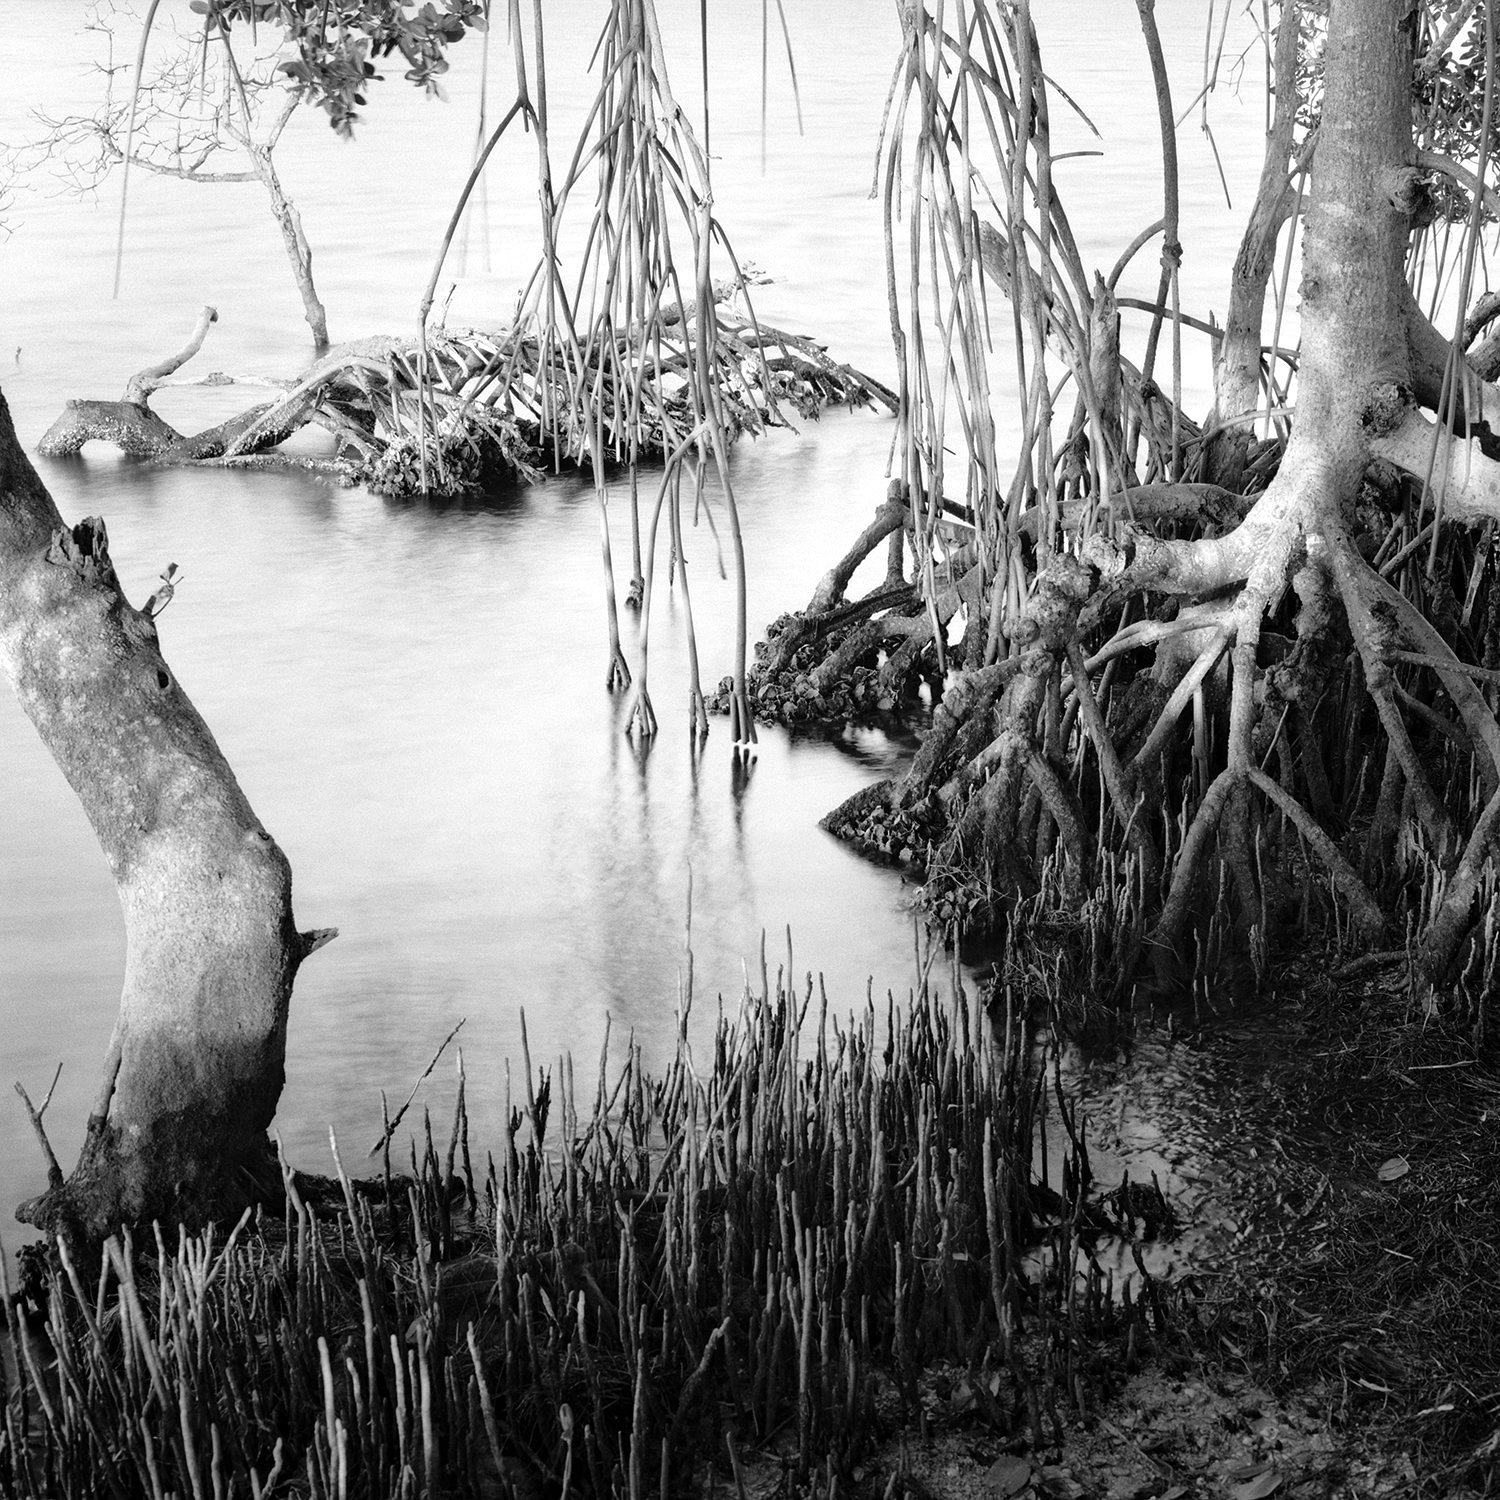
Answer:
[(54, 1170), (1432, 357), (888, 518), (1435, 161), (141, 384)]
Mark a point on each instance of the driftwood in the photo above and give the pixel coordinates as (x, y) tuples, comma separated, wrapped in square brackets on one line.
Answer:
[(195, 1065), (453, 411)]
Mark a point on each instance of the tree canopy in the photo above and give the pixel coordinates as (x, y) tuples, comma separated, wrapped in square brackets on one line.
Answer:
[(337, 48)]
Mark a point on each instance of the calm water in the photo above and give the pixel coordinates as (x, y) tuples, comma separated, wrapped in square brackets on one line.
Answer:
[(411, 694)]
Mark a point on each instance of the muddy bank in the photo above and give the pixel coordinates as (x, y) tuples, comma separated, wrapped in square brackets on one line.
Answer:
[(1327, 1159)]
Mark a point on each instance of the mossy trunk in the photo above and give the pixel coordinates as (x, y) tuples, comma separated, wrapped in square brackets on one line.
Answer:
[(196, 1061)]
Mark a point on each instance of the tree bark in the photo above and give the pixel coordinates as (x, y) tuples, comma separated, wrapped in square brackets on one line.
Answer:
[(1237, 362), (298, 250), (196, 1063)]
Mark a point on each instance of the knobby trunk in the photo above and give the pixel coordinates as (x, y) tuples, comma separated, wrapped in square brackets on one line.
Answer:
[(196, 1061)]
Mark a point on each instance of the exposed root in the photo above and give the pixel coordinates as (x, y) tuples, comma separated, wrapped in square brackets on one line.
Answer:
[(1371, 919), (1127, 802), (1267, 709), (888, 521), (1045, 757)]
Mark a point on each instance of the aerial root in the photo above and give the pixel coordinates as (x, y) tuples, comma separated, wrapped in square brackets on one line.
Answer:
[(1447, 929), (1122, 790), (1367, 913), (1166, 723), (1428, 805), (1237, 851), (867, 638), (794, 632), (1225, 794), (1381, 620), (641, 716), (889, 519), (741, 719), (1423, 638), (1004, 779), (1364, 589), (1185, 878), (1059, 799), (1385, 824), (1370, 636), (967, 703), (617, 674), (1309, 759)]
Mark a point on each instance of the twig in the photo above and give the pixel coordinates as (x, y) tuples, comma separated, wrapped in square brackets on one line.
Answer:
[(54, 1171), (391, 1125)]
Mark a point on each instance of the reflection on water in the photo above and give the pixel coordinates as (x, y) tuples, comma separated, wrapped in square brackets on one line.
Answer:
[(412, 694)]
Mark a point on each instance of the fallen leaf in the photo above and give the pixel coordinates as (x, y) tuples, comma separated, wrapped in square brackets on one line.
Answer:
[(1059, 1483), (1252, 1470), (1389, 1171), (1007, 1476), (1257, 1489)]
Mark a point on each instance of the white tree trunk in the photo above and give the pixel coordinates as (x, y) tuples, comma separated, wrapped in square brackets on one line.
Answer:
[(196, 1062)]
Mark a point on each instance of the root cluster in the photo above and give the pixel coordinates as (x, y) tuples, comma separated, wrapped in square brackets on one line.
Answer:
[(1241, 766)]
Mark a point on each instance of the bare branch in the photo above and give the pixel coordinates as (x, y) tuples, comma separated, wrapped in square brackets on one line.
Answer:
[(141, 384), (1435, 161), (54, 1170)]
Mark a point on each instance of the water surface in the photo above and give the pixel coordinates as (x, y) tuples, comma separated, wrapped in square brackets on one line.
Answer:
[(412, 693)]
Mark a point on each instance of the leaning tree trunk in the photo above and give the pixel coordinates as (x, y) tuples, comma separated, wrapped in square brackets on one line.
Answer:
[(196, 1062)]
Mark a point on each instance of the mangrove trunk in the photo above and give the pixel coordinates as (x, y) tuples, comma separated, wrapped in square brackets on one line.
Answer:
[(195, 1065)]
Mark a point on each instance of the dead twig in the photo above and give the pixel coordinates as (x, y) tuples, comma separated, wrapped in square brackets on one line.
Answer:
[(391, 1125), (54, 1170)]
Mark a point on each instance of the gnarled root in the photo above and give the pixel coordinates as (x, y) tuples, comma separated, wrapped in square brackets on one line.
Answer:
[(1278, 672), (841, 661)]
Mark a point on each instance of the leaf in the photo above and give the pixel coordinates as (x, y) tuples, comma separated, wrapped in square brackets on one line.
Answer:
[(1389, 1171), (1007, 1476), (1259, 1487)]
